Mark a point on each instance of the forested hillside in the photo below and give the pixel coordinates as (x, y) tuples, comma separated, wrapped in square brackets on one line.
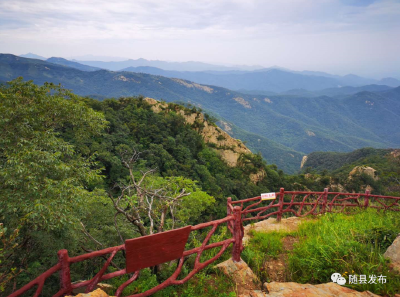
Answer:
[(83, 174), (73, 166), (367, 168), (300, 124), (332, 161)]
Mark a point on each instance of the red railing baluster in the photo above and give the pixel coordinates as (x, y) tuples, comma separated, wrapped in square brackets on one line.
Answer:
[(65, 273), (325, 201), (281, 196), (366, 198), (98, 276), (237, 234)]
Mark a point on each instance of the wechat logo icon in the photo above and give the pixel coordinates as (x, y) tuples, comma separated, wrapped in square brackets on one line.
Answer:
[(338, 279)]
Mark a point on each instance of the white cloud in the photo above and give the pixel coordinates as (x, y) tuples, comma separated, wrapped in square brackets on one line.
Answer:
[(206, 28)]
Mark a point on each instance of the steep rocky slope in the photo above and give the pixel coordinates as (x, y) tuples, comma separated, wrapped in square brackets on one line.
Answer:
[(229, 148)]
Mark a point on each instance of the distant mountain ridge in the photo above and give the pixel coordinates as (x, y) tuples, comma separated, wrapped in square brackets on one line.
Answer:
[(64, 62), (294, 125), (172, 66), (271, 80), (33, 56)]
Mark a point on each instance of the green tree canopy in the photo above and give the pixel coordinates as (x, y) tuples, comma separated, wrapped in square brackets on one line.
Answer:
[(43, 178)]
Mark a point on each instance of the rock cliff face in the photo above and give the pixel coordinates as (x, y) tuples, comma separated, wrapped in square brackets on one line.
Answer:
[(363, 169), (395, 153), (303, 161), (229, 148)]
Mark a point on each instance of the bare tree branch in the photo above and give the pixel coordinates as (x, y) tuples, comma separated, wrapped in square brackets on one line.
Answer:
[(89, 235), (116, 227)]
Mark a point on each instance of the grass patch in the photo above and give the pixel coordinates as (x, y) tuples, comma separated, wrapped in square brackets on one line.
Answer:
[(348, 245), (201, 285), (261, 247), (205, 285)]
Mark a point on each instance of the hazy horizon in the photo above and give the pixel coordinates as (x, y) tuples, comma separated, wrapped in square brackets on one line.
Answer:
[(336, 36)]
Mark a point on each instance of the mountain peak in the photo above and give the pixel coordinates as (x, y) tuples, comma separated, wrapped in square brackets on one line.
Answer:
[(33, 56)]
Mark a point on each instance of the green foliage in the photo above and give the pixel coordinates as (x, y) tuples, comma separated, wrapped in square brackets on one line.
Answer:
[(331, 161), (337, 167), (145, 281), (175, 149), (260, 248), (346, 244), (8, 246), (56, 146), (43, 178), (379, 237)]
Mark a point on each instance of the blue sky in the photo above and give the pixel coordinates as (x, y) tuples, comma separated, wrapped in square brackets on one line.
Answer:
[(336, 36)]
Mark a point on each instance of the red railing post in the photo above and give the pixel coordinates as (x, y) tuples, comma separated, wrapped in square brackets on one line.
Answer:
[(65, 274), (366, 198), (237, 234), (325, 201), (228, 209), (281, 196)]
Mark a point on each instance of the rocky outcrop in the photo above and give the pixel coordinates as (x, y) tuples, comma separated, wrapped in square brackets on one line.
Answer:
[(395, 153), (248, 285), (241, 274), (228, 148), (393, 253), (242, 102), (259, 176), (303, 161), (363, 169), (289, 225), (104, 287), (189, 84), (276, 289), (95, 293)]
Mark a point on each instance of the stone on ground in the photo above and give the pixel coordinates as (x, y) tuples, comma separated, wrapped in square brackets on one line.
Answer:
[(95, 293), (393, 253), (241, 274), (306, 290), (105, 287)]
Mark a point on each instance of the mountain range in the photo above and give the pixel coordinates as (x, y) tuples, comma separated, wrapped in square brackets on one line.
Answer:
[(172, 66), (282, 127), (274, 79)]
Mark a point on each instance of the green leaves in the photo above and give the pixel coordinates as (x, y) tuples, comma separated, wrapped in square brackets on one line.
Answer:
[(43, 178)]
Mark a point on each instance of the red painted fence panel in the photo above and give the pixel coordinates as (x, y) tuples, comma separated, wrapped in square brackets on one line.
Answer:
[(147, 251)]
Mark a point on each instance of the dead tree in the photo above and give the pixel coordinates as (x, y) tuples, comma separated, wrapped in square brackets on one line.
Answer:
[(141, 201)]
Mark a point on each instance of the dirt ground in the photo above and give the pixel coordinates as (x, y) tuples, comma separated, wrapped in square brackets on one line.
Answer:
[(276, 268), (289, 225)]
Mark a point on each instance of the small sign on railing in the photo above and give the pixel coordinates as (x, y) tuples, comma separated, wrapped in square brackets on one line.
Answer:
[(268, 196)]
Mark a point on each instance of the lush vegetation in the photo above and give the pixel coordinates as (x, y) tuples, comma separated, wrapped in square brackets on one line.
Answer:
[(81, 174), (66, 160), (331, 161), (338, 166), (347, 244)]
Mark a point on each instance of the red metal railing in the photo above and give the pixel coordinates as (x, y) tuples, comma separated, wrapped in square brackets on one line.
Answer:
[(298, 203), (301, 203), (64, 262)]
